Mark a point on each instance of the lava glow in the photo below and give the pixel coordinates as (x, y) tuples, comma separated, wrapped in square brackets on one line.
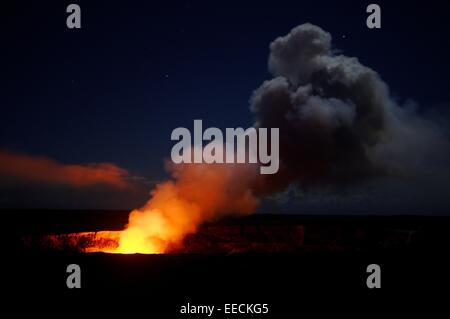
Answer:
[(197, 193)]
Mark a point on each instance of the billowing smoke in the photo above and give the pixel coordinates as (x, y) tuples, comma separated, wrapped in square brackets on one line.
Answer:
[(198, 193), (337, 120), (337, 124)]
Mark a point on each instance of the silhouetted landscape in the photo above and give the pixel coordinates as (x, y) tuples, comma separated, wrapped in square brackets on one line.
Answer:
[(262, 257)]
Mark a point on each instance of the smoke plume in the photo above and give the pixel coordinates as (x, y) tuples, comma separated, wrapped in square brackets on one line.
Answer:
[(20, 168), (198, 193), (337, 124), (337, 120)]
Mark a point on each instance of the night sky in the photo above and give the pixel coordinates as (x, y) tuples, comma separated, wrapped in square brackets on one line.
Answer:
[(114, 90)]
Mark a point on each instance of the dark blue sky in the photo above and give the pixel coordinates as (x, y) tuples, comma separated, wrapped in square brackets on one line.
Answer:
[(114, 90)]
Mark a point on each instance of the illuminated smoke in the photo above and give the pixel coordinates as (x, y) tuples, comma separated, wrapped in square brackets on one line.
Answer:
[(337, 122)]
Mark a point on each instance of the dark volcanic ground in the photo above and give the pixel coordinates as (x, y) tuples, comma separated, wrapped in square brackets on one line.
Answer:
[(289, 262)]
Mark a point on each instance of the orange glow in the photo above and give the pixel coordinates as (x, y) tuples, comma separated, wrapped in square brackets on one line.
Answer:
[(20, 167), (198, 193)]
